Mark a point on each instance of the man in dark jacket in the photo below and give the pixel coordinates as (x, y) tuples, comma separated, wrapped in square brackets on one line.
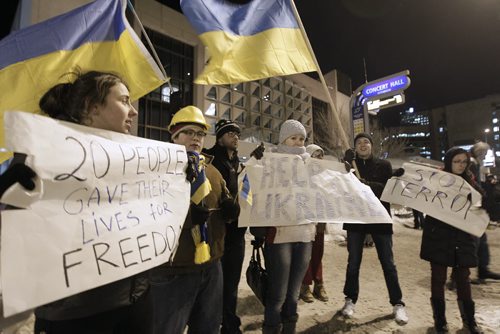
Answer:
[(225, 153), (188, 290), (374, 173)]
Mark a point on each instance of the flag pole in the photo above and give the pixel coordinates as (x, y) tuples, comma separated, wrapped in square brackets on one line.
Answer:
[(342, 135), (128, 3)]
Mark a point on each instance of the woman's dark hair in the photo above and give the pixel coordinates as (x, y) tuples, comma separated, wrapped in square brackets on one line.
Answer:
[(72, 101)]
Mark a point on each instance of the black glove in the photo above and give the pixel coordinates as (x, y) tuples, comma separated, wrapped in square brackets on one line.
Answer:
[(230, 209), (349, 155), (347, 166), (258, 153), (199, 214), (191, 172), (17, 173), (258, 242), (398, 172)]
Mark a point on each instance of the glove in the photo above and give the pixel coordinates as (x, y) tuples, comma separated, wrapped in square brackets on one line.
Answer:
[(347, 166), (398, 172), (17, 173), (199, 214), (230, 209), (349, 155), (258, 242), (258, 153), (191, 172)]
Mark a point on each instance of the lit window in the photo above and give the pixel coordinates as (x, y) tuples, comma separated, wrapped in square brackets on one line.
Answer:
[(495, 120), (441, 129), (496, 128), (211, 110)]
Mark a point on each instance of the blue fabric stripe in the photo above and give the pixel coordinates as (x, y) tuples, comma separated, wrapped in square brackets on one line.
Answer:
[(242, 20), (99, 21), (246, 187)]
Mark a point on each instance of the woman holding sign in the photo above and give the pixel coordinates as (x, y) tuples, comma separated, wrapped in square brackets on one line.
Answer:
[(99, 100), (445, 246), (287, 250)]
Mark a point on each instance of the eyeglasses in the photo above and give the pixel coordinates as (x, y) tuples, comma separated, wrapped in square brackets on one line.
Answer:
[(232, 134), (192, 133), (463, 162)]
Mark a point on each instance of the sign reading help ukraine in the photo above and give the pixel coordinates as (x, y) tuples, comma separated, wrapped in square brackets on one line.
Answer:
[(283, 189), (106, 206), (445, 196)]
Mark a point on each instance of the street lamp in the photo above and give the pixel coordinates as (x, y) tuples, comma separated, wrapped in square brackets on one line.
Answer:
[(486, 131)]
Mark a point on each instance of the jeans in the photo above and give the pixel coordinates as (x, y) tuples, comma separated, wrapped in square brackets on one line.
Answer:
[(232, 261), (383, 244), (286, 265), (193, 299)]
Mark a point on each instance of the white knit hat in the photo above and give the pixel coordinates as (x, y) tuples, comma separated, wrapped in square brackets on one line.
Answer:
[(289, 128), (313, 148)]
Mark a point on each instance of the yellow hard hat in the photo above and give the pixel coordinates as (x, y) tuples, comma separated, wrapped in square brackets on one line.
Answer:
[(189, 114)]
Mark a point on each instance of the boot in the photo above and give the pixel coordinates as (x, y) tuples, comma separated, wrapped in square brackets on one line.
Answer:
[(319, 292), (467, 311), (438, 313), (271, 329), (289, 324), (305, 294)]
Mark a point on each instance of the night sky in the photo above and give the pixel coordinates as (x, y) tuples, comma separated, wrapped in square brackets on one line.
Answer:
[(451, 47)]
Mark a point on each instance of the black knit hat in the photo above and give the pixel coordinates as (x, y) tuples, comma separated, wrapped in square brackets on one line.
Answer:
[(224, 126), (363, 135)]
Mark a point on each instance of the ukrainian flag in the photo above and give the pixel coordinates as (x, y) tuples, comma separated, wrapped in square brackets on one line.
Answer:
[(250, 41), (96, 36), (201, 186), (246, 191)]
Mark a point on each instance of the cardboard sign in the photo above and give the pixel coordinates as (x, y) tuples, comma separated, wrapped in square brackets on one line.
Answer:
[(282, 189), (445, 196), (107, 206)]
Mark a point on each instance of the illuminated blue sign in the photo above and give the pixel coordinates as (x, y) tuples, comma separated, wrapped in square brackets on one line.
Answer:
[(397, 83)]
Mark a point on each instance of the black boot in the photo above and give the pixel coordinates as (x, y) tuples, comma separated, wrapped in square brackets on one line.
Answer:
[(485, 273), (438, 312), (271, 329), (289, 324), (467, 311)]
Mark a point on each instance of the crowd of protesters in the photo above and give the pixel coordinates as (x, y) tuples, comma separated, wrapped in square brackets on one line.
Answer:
[(202, 294)]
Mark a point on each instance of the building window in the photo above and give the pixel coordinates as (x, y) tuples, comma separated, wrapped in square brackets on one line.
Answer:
[(156, 108)]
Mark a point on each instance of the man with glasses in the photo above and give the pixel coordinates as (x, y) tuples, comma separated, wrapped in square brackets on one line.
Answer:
[(225, 153), (188, 289)]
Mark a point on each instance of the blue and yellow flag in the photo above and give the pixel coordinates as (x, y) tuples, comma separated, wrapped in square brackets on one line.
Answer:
[(93, 37), (246, 191), (251, 41), (201, 186)]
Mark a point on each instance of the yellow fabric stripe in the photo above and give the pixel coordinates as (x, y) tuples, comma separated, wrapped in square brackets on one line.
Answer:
[(202, 192), (274, 52), (23, 84)]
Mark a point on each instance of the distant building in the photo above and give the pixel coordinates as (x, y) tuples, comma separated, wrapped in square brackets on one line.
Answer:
[(464, 123)]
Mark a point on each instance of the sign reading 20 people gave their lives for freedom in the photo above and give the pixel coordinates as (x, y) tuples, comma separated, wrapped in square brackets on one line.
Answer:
[(106, 206), (445, 196), (282, 189)]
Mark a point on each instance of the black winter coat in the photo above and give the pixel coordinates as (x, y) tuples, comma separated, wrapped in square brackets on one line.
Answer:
[(448, 246), (376, 172), (227, 167)]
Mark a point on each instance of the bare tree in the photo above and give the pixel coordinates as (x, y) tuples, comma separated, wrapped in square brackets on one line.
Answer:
[(387, 143), (326, 132)]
